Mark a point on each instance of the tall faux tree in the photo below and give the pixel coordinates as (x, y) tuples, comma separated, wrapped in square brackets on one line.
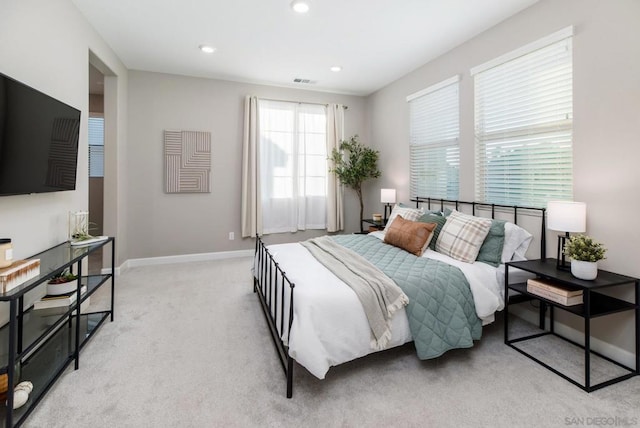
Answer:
[(354, 163)]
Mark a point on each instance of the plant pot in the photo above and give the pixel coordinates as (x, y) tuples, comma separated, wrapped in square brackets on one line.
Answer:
[(584, 270), (62, 288)]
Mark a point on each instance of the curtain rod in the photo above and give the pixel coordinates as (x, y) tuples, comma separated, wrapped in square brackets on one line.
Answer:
[(299, 102)]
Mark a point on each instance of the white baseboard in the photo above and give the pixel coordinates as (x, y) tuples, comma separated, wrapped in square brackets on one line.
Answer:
[(185, 258), (614, 352)]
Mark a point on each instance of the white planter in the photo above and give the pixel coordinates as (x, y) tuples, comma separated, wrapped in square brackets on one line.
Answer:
[(584, 270), (64, 288)]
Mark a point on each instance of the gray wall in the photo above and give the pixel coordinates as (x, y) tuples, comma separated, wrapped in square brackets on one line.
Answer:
[(606, 64), (163, 224), (56, 64)]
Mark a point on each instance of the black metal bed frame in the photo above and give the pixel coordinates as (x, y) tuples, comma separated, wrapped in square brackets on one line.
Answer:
[(272, 285), (515, 208)]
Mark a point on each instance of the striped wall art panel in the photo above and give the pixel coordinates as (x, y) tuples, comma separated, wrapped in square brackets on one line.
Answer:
[(187, 160)]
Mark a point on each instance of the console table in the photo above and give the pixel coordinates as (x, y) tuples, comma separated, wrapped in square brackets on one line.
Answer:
[(38, 346)]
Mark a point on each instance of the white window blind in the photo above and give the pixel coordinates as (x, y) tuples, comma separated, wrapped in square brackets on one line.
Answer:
[(523, 126), (96, 147), (434, 129)]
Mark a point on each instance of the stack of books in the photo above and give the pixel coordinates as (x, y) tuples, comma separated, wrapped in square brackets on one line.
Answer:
[(58, 300), (552, 291), (20, 271)]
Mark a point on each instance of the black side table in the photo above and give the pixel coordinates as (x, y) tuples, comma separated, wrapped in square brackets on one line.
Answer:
[(594, 305), (374, 225)]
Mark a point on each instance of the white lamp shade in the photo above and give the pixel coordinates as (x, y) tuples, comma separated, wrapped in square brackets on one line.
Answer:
[(567, 216), (388, 196)]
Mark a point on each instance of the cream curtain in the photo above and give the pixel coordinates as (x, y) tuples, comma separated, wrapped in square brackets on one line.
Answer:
[(335, 134), (251, 206)]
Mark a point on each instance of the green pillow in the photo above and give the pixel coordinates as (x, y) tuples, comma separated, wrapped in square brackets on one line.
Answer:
[(440, 221), (491, 249)]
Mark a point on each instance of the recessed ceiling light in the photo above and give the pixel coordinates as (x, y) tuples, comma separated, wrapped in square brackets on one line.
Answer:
[(300, 6), (336, 68), (207, 49)]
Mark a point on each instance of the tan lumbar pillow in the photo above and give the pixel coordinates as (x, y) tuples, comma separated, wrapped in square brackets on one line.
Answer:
[(411, 236)]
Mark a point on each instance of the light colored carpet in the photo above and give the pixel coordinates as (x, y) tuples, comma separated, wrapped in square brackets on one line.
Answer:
[(189, 347)]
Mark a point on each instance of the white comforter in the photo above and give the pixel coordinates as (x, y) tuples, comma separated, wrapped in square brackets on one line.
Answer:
[(329, 325)]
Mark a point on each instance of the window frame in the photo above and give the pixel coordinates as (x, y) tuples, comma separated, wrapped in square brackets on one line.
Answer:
[(515, 141)]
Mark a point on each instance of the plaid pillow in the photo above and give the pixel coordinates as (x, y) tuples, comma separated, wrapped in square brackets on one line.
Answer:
[(412, 214), (462, 236)]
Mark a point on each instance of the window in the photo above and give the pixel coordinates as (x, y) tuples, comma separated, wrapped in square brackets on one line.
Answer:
[(293, 165), (523, 124), (434, 128), (96, 147)]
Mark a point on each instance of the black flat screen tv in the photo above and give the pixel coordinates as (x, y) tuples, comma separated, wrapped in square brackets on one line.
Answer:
[(38, 141)]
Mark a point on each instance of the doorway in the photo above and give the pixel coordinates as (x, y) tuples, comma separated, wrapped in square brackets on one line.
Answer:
[(96, 162)]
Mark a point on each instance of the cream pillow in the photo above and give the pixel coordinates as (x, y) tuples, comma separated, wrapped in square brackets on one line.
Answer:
[(407, 213)]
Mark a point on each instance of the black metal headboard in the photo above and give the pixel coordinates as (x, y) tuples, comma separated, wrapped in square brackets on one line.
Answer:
[(512, 208)]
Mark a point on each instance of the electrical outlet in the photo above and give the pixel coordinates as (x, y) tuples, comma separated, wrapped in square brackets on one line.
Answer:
[(232, 236)]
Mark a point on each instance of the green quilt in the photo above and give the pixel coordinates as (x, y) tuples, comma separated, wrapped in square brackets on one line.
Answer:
[(441, 310)]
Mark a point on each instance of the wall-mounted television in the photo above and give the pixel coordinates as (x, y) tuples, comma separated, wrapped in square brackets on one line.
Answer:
[(38, 141)]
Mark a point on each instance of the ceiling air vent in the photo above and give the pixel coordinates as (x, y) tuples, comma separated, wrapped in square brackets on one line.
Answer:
[(307, 81)]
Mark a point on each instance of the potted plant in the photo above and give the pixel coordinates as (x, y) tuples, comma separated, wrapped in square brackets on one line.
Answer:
[(62, 283), (584, 253), (354, 163)]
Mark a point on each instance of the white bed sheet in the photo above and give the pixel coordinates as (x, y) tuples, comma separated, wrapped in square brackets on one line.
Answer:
[(329, 325)]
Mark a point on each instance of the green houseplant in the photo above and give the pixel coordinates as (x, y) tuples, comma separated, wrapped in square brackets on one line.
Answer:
[(585, 253), (62, 283), (354, 163)]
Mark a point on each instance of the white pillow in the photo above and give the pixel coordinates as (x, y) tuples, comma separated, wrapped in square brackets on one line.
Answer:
[(407, 213), (516, 243)]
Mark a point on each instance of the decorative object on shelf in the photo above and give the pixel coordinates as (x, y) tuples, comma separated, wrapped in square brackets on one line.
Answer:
[(4, 381), (353, 163), (20, 271), (585, 253), (377, 217), (21, 393), (58, 300), (6, 252), (89, 241), (388, 198), (566, 216), (187, 161), (62, 283), (547, 290), (79, 226)]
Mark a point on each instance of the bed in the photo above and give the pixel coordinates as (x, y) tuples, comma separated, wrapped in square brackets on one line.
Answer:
[(318, 320)]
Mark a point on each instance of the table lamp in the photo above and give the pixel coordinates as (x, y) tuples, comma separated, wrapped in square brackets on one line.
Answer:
[(388, 198), (566, 216)]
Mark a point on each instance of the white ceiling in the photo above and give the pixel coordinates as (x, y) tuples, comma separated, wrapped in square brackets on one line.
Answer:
[(265, 41)]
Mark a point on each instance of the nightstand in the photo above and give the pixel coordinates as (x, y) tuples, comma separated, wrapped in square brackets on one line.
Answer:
[(595, 304), (374, 225)]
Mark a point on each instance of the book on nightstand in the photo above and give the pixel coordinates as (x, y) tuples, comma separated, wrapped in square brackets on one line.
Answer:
[(553, 292), (60, 300)]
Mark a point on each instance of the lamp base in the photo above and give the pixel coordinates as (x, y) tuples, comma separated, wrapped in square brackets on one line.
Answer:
[(561, 262), (387, 206)]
